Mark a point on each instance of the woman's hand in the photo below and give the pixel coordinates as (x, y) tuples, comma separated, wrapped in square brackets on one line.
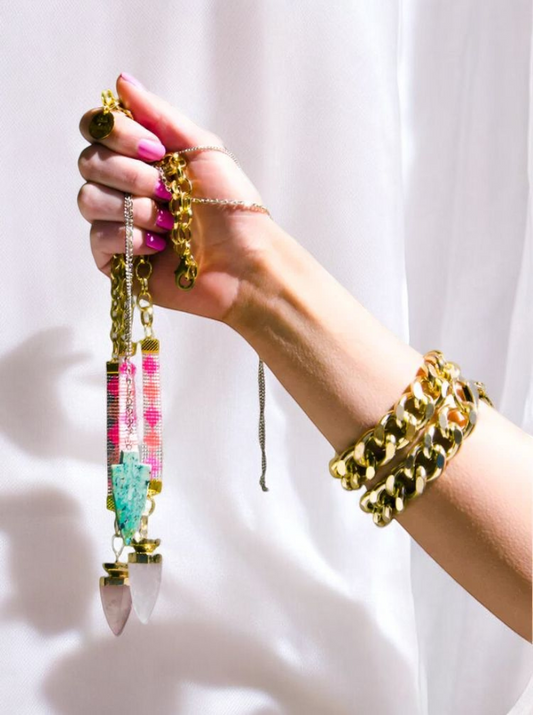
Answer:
[(226, 242)]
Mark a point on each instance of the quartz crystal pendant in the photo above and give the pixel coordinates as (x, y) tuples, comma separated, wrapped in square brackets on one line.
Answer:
[(115, 595), (130, 481), (144, 569)]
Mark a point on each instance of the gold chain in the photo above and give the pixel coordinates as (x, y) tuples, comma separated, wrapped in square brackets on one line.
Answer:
[(118, 300), (111, 103), (173, 175), (427, 460), (397, 428), (143, 271)]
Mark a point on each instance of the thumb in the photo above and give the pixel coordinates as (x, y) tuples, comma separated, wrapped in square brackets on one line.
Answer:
[(174, 129)]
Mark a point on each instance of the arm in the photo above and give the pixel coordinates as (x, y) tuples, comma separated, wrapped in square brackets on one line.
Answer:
[(345, 370), (339, 363)]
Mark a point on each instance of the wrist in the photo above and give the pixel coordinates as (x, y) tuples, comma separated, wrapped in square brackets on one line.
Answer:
[(264, 271)]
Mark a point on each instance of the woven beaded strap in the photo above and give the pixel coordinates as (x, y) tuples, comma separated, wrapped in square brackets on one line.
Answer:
[(397, 428), (454, 421)]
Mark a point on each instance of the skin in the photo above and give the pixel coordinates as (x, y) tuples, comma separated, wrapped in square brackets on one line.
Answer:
[(326, 349)]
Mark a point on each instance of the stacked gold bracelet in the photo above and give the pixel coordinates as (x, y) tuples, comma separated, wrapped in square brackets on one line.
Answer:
[(441, 407)]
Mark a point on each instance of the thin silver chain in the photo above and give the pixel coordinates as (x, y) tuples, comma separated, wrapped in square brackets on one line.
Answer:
[(228, 202), (214, 147), (232, 202), (261, 372), (262, 392)]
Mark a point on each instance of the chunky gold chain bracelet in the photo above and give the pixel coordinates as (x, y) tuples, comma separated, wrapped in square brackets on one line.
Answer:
[(358, 464), (454, 421)]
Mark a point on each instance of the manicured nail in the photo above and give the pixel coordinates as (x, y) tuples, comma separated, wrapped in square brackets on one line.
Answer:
[(165, 219), (151, 151), (162, 192), (131, 79), (156, 242)]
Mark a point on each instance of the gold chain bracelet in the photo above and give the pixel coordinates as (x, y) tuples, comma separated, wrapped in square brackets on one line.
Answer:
[(453, 423), (358, 464)]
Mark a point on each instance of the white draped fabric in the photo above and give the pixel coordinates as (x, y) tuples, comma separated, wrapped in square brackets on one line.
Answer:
[(393, 140)]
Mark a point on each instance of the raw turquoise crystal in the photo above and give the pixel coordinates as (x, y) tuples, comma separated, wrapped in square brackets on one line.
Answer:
[(130, 480)]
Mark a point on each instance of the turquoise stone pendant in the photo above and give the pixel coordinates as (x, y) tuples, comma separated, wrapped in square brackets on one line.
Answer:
[(130, 479)]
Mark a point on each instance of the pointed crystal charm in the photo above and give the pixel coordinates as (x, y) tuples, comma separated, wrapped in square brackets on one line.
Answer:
[(130, 481), (116, 596), (144, 569)]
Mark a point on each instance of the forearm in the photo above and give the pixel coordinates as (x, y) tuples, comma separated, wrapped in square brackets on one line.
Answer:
[(345, 370)]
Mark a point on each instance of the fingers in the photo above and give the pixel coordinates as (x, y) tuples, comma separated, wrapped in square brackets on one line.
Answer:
[(174, 129), (100, 203), (128, 137), (108, 238), (100, 165)]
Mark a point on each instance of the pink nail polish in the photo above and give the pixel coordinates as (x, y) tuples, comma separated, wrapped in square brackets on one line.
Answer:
[(151, 151), (162, 192), (156, 242), (165, 219), (131, 79)]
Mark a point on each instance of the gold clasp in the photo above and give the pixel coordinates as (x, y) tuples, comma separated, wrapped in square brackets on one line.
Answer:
[(187, 272)]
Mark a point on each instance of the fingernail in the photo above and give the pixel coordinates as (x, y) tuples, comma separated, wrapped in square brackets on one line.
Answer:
[(162, 192), (156, 242), (131, 79), (165, 219), (151, 151)]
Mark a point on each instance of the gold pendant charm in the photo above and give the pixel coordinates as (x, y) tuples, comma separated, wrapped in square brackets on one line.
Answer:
[(101, 125)]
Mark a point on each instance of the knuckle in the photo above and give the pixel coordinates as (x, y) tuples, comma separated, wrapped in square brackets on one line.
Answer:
[(88, 197), (131, 174), (86, 162)]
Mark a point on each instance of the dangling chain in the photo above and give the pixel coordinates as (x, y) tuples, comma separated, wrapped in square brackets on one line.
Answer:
[(172, 171), (143, 272), (118, 274)]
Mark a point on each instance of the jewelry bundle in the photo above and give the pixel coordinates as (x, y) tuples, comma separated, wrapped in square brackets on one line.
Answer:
[(441, 407), (134, 467)]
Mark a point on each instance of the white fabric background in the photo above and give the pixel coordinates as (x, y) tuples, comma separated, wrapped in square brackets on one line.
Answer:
[(392, 140)]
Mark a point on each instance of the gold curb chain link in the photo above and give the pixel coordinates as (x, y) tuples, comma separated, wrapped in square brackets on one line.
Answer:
[(426, 461), (435, 413), (359, 463)]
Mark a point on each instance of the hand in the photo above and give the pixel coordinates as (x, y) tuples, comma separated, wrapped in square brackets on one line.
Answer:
[(226, 242)]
